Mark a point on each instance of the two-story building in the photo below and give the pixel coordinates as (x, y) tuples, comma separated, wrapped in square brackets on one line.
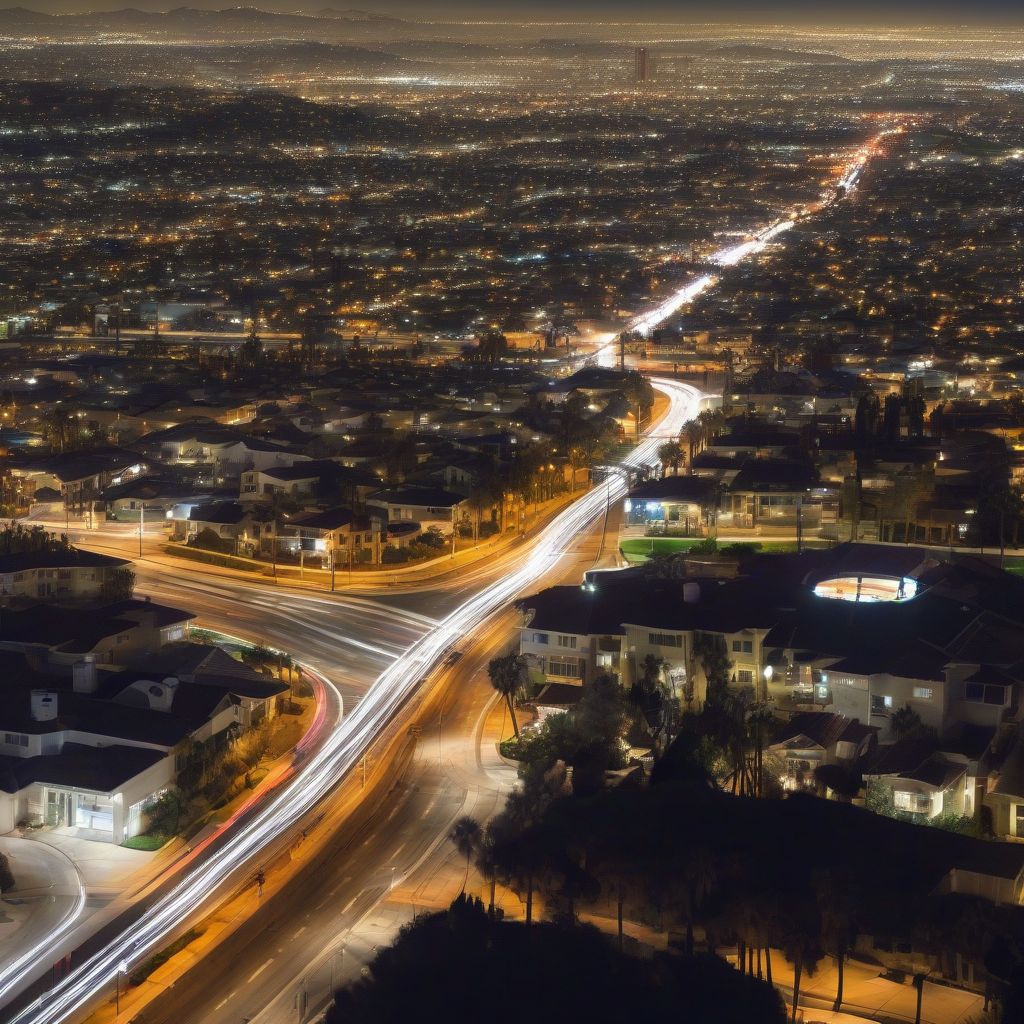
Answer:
[(428, 506), (89, 751), (66, 575)]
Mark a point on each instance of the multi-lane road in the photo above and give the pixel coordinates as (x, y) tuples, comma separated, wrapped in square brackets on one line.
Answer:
[(322, 927), (352, 639), (330, 630)]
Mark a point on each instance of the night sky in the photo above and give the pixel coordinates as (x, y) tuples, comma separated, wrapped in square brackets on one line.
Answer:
[(819, 11)]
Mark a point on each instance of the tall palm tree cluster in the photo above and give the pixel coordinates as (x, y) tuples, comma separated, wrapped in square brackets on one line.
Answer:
[(62, 431), (747, 878), (693, 438), (449, 965), (709, 850)]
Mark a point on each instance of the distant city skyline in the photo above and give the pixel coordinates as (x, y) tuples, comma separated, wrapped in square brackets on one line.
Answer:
[(921, 12)]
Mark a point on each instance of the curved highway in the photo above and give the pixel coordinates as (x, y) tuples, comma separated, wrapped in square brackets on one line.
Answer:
[(341, 751), (369, 634)]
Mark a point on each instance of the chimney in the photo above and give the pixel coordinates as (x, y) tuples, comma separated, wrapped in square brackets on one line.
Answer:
[(44, 705), (161, 695), (84, 674)]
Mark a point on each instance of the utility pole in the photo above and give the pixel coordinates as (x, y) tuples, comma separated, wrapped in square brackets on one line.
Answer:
[(142, 522), (332, 568), (440, 722), (338, 956)]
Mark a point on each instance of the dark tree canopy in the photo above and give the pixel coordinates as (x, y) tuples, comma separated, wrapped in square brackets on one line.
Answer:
[(462, 965)]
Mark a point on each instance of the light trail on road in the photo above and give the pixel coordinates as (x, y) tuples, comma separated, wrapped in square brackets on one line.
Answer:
[(342, 751), (731, 255), (314, 779)]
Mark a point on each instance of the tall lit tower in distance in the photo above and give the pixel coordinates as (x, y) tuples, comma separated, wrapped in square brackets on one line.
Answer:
[(641, 65)]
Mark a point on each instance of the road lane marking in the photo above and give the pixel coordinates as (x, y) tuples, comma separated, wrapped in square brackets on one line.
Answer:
[(259, 970)]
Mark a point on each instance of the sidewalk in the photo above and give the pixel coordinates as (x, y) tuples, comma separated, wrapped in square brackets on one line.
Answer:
[(112, 878), (49, 892), (867, 994)]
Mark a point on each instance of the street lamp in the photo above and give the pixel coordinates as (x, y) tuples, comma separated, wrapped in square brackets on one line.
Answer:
[(337, 955)]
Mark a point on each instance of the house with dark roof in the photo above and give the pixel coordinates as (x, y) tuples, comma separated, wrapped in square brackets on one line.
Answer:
[(229, 520), (428, 506), (306, 482), (334, 533), (223, 453), (56, 636), (944, 641), (80, 477), (149, 497), (923, 778), (811, 739), (70, 574), (90, 749), (680, 505), (774, 493), (1006, 797)]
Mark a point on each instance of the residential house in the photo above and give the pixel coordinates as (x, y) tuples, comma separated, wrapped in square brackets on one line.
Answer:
[(90, 751), (682, 506), (71, 574), (428, 506), (229, 520), (334, 535), (811, 739)]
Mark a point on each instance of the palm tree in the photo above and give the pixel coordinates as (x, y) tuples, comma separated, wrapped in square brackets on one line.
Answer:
[(690, 437), (485, 862), (801, 945), (507, 673), (466, 835), (835, 889), (669, 456)]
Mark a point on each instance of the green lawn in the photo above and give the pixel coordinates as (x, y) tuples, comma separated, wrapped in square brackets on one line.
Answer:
[(646, 546), (147, 843), (639, 549)]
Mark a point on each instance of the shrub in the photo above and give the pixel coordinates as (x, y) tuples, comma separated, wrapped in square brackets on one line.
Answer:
[(149, 843), (708, 546), (392, 555), (742, 547), (432, 538), (164, 816), (512, 748), (7, 881), (144, 970), (208, 540)]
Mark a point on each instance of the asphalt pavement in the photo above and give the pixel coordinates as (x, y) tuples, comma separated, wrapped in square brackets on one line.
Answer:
[(389, 861)]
